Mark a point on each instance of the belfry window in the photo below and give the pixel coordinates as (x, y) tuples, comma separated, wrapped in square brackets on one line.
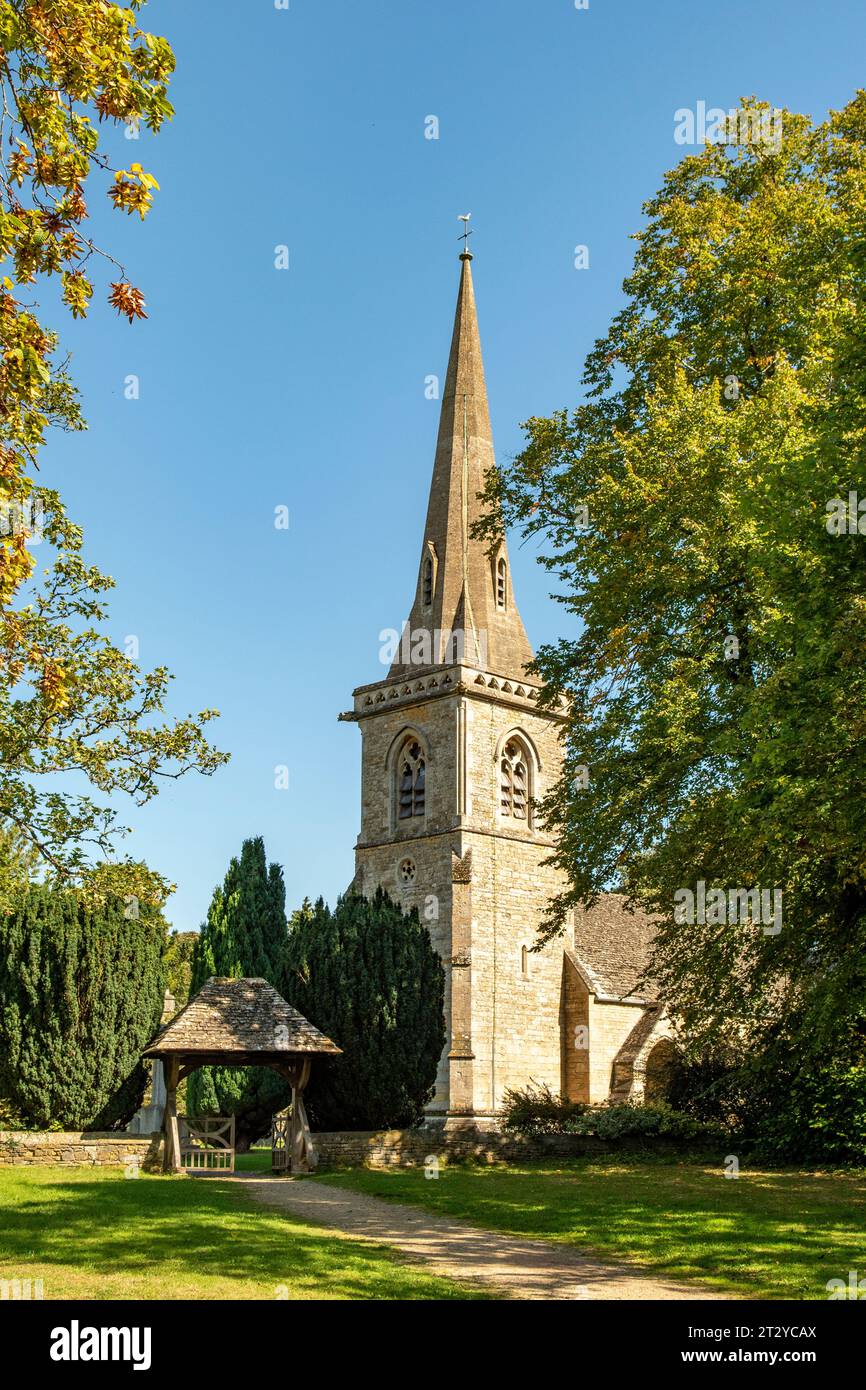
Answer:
[(501, 582), (411, 774), (428, 582), (514, 781)]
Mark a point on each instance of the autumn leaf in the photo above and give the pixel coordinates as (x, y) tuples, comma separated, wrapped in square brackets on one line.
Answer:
[(126, 299)]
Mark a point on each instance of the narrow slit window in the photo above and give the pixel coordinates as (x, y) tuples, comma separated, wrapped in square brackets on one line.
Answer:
[(524, 961), (428, 581), (501, 582)]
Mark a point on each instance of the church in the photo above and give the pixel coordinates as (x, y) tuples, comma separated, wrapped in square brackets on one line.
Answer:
[(455, 755)]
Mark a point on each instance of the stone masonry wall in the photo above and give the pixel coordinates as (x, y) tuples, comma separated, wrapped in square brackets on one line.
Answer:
[(96, 1150), (417, 1148), (575, 1035), (385, 841), (609, 1027), (505, 1022), (517, 993)]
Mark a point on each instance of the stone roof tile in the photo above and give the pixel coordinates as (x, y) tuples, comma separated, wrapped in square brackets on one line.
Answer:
[(612, 946), (244, 1016)]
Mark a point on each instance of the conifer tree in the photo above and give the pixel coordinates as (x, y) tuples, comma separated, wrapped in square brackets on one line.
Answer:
[(367, 976), (244, 936), (81, 987)]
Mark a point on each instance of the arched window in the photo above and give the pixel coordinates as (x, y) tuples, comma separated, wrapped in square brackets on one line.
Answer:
[(410, 781), (524, 961), (428, 581), (514, 780), (501, 582)]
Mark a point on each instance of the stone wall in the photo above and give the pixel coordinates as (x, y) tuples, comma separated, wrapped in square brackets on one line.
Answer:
[(415, 1148), (610, 1026), (392, 1148), (104, 1150), (575, 1034)]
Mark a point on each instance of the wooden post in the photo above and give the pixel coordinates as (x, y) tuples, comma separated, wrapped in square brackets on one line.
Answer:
[(310, 1156), (171, 1162), (301, 1157)]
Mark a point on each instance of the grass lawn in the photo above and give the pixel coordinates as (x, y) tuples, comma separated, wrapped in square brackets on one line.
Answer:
[(91, 1233), (762, 1235)]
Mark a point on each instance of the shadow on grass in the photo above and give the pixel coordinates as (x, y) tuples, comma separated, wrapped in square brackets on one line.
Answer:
[(768, 1234), (184, 1232)]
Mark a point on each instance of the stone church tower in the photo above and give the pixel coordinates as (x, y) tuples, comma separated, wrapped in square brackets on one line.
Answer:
[(455, 751)]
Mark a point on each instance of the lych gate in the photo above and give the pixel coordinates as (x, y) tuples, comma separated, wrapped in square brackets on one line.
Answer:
[(239, 1023)]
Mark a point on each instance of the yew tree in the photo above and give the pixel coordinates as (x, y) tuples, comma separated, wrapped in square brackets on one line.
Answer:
[(244, 935), (367, 976), (81, 987)]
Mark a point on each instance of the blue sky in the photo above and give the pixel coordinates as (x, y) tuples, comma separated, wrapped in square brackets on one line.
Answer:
[(304, 388)]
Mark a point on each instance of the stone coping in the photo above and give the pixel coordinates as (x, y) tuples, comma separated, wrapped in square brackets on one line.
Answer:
[(73, 1136)]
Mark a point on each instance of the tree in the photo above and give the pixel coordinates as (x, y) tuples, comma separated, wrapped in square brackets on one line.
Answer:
[(70, 701), (718, 678), (368, 977), (81, 988), (62, 62), (19, 861), (244, 936), (178, 965)]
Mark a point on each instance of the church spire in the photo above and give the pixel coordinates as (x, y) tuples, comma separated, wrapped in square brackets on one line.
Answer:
[(461, 588)]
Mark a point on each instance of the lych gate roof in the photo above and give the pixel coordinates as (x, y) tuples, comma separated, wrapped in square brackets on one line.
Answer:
[(612, 949), (239, 1017)]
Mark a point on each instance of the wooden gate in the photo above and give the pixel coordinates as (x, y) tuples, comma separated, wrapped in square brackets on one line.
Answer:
[(208, 1144), (281, 1128), (292, 1147)]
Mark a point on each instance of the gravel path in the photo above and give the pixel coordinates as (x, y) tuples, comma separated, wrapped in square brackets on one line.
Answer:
[(517, 1268)]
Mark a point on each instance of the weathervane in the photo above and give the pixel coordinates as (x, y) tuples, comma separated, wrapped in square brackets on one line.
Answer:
[(464, 218)]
